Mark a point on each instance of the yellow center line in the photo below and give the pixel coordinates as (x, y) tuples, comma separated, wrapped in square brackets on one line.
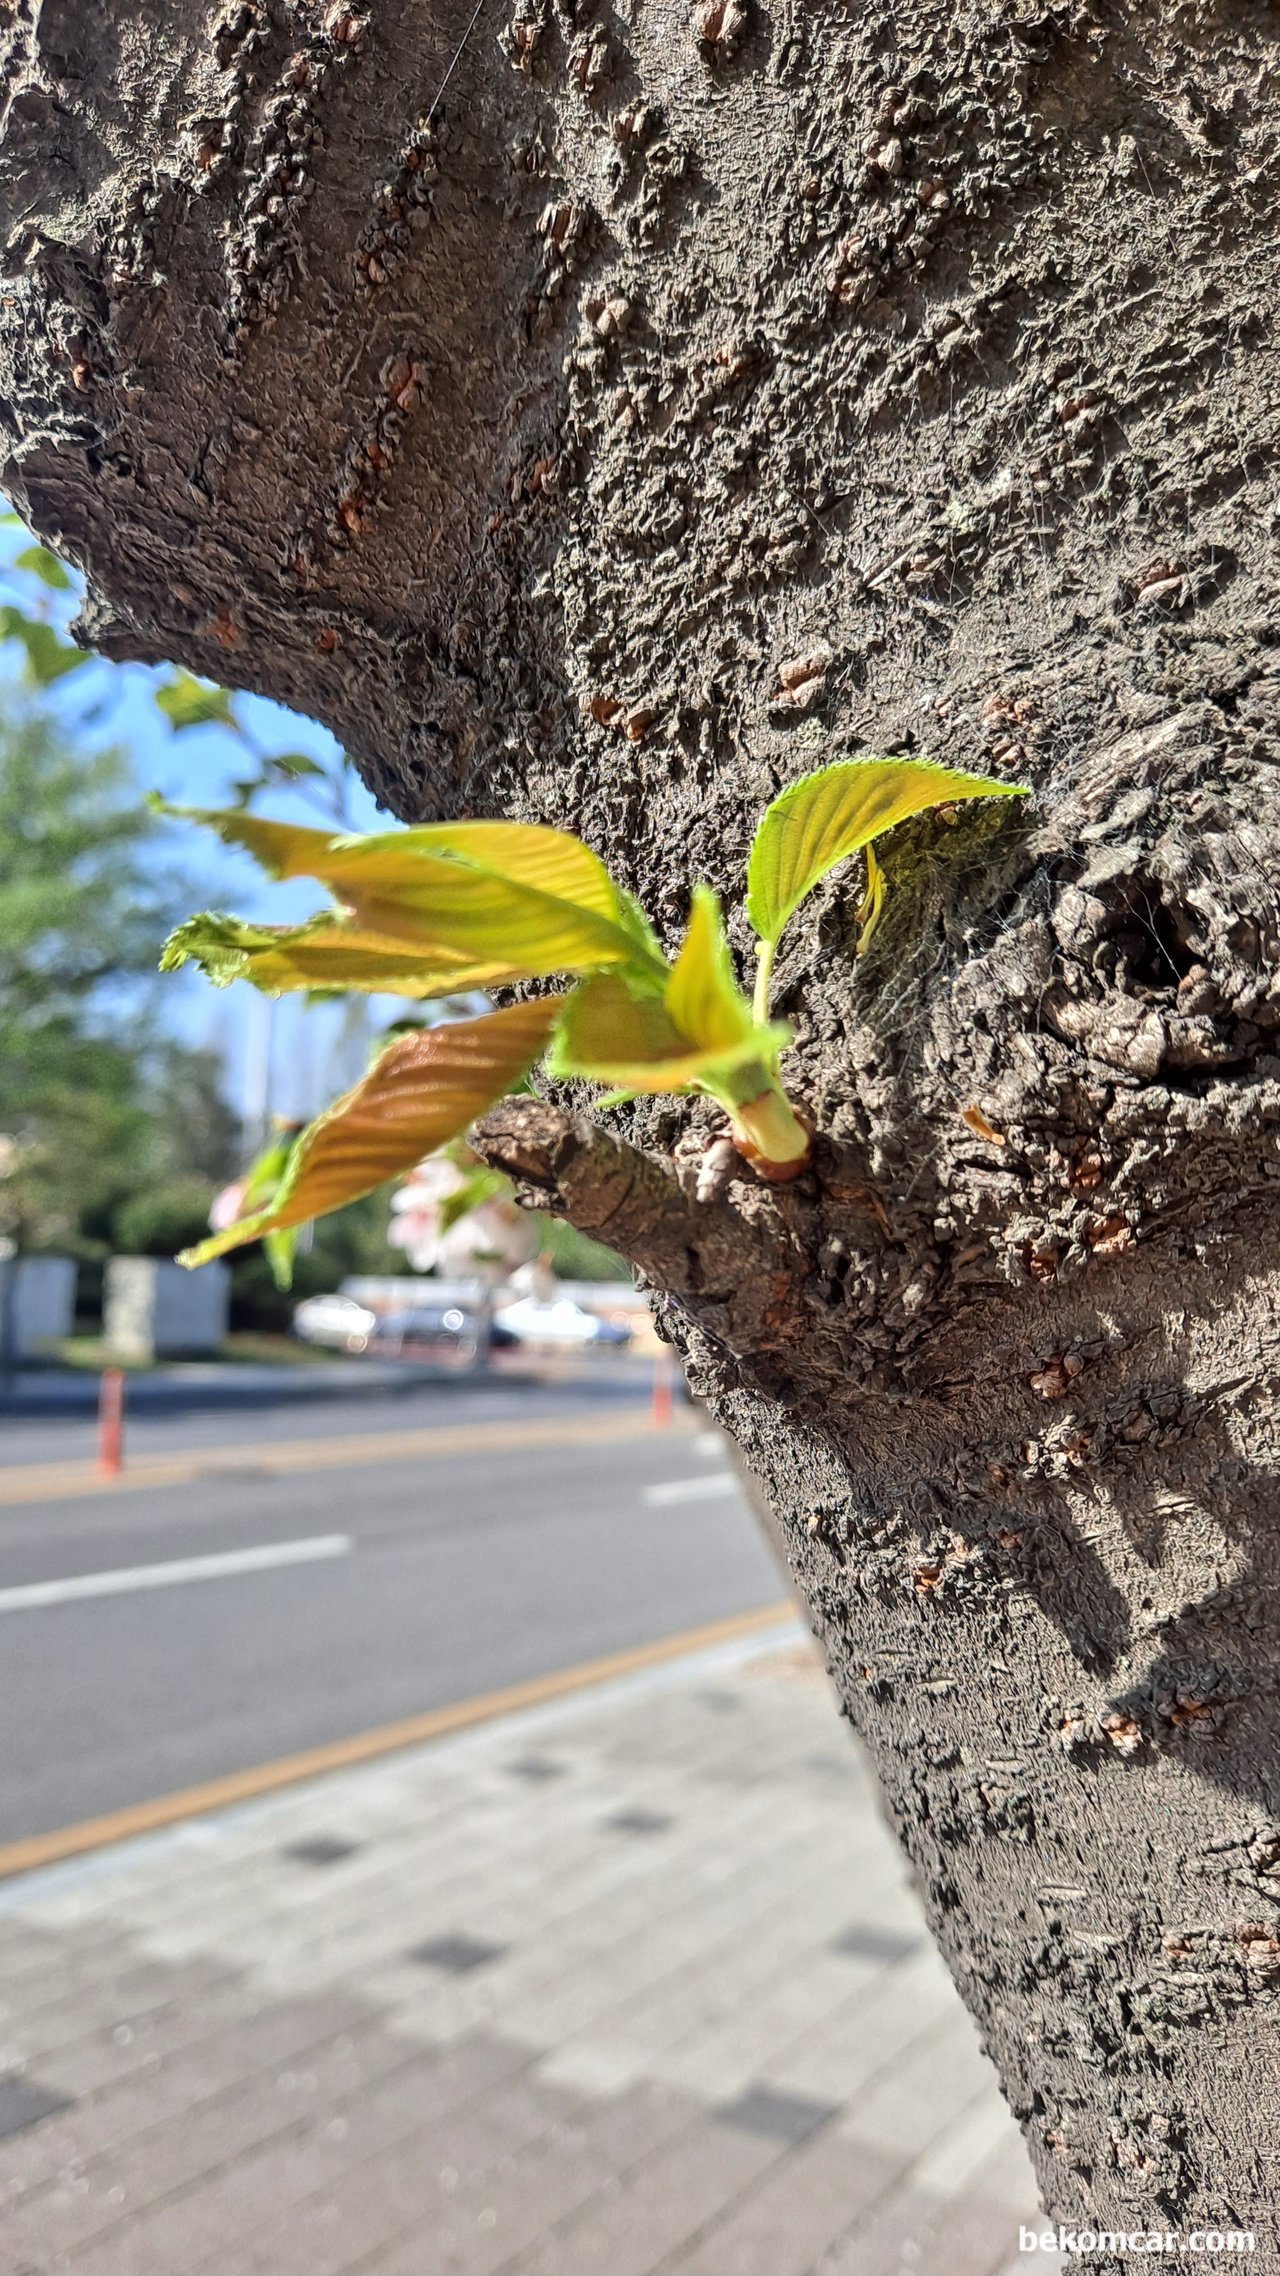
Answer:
[(343, 1754), (60, 1481)]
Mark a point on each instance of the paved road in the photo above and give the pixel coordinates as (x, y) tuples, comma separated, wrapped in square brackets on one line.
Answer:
[(204, 1405), (314, 1605)]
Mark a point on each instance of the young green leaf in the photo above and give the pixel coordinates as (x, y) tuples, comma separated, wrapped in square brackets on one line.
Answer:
[(478, 1186), (699, 1035), (872, 902), (511, 898), (324, 952), (702, 996), (424, 1090), (834, 812), (39, 562), (292, 766), (262, 1179), (688, 1037), (282, 849), (48, 656), (189, 702), (609, 1034), (260, 1187)]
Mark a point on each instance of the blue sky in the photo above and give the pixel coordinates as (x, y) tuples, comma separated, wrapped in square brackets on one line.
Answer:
[(314, 1050)]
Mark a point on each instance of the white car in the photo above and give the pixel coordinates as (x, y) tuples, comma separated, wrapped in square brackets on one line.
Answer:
[(336, 1320), (561, 1322)]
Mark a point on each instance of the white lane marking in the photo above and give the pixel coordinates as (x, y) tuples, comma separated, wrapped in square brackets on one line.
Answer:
[(127, 1577), (691, 1489)]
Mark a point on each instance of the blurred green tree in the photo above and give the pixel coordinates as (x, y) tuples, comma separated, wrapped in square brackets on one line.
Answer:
[(113, 1137), (83, 896), (94, 1105)]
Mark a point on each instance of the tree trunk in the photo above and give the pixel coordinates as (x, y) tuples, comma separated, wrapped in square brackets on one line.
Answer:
[(610, 426)]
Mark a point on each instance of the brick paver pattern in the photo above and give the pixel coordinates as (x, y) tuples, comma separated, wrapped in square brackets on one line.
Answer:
[(636, 1986)]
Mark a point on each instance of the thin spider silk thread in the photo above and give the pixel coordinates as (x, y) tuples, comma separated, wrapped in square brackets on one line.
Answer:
[(476, 14)]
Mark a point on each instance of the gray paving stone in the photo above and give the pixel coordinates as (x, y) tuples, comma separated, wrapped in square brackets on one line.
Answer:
[(912, 2230), (238, 2128), (24, 2102), (638, 1821), (688, 1977), (102, 2060), (869, 1943), (198, 2226), (469, 2218), (458, 1955), (321, 1849), (413, 2186), (685, 2055), (117, 2003), (176, 2083), (779, 2116), (912, 2102), (795, 2211), (633, 2227)]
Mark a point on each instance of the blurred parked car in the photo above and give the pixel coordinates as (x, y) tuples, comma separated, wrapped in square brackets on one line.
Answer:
[(335, 1320), (561, 1322), (428, 1323)]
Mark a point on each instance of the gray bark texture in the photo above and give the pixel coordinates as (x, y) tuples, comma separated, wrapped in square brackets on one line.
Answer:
[(606, 428)]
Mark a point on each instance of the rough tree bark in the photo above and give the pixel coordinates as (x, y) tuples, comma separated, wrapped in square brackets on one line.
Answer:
[(611, 426)]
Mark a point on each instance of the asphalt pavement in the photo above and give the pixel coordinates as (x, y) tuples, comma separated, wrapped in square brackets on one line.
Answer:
[(53, 1415), (156, 1636)]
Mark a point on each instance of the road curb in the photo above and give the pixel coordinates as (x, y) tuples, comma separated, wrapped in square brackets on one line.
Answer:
[(28, 1482), (38, 1852)]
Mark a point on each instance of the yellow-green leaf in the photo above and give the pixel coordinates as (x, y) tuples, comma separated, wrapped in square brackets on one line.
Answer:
[(553, 862), (260, 1187), (828, 815), (325, 952), (610, 1035), (517, 898), (424, 1090), (692, 1035), (702, 998), (872, 902), (39, 562), (263, 1176), (283, 849), (189, 702), (525, 853)]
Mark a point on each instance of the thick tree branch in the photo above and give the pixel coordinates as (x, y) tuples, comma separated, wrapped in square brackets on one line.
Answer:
[(574, 1168), (733, 1261)]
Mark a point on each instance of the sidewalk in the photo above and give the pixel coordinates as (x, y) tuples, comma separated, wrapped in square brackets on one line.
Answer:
[(631, 1984)]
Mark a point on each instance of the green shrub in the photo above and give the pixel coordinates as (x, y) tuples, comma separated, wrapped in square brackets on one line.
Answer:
[(162, 1219)]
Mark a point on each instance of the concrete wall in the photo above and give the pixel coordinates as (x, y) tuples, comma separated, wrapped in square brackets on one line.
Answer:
[(153, 1309), (43, 1299)]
